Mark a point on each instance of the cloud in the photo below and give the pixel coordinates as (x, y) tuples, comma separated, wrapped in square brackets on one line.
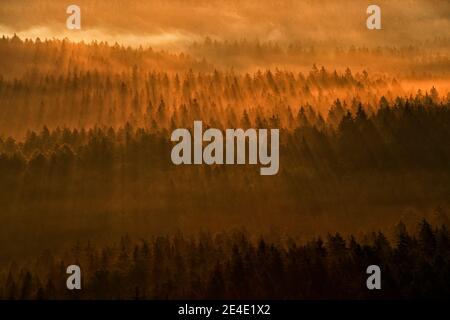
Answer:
[(175, 22)]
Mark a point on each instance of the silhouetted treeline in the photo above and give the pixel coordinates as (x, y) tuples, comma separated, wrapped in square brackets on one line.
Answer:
[(235, 266), (75, 85), (426, 58), (85, 151), (353, 170)]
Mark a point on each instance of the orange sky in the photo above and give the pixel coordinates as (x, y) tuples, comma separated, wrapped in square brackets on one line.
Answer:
[(174, 23)]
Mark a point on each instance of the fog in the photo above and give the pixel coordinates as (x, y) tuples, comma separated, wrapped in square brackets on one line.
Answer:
[(173, 24)]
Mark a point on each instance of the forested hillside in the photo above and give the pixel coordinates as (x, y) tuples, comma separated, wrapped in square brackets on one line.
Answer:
[(85, 159)]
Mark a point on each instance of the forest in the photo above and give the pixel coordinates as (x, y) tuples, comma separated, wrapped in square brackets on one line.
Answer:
[(86, 176), (233, 266)]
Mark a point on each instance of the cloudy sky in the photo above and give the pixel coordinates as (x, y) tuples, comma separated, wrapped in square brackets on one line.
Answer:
[(168, 23)]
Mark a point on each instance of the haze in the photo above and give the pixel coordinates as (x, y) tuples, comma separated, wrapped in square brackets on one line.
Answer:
[(173, 24)]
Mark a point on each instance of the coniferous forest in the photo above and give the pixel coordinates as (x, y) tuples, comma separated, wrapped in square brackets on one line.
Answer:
[(86, 176), (233, 266)]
